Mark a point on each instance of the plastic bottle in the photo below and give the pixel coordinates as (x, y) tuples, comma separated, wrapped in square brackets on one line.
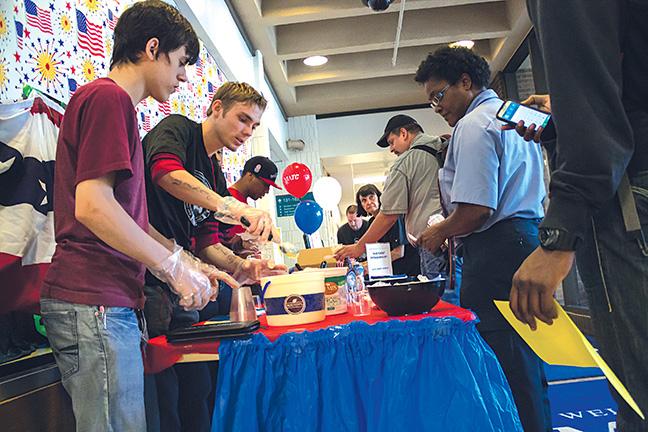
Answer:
[(359, 300)]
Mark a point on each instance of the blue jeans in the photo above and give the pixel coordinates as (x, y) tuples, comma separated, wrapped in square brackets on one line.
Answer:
[(615, 275), (100, 363), (432, 265)]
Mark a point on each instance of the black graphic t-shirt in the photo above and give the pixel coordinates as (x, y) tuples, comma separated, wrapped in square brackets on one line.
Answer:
[(348, 236), (173, 218)]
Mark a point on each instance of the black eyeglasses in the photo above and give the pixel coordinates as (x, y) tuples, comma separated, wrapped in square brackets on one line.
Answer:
[(437, 98)]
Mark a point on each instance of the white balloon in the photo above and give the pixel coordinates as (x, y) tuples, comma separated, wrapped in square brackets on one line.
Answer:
[(327, 192)]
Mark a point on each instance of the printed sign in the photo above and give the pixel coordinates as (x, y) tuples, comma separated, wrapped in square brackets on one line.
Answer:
[(379, 260)]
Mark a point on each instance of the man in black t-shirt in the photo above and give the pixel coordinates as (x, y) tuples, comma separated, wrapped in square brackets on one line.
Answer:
[(350, 232), (186, 197)]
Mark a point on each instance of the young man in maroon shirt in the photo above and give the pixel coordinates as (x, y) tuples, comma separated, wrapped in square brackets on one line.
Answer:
[(94, 286)]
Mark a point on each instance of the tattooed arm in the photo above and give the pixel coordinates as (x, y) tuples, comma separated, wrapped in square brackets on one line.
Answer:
[(189, 189), (243, 270)]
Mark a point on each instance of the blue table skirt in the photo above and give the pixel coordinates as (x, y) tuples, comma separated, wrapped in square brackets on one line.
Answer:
[(435, 374)]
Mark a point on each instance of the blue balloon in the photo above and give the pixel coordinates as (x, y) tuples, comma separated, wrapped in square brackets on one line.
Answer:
[(309, 216)]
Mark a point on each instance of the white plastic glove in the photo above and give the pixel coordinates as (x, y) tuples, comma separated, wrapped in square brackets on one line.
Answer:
[(257, 222), (214, 275), (183, 274), (252, 270)]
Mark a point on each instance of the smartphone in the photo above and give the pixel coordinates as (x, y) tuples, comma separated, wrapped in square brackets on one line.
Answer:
[(512, 112)]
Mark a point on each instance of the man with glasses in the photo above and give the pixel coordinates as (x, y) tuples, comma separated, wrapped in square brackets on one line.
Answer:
[(492, 184)]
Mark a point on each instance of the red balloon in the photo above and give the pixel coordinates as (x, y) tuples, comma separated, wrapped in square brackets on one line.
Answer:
[(297, 179)]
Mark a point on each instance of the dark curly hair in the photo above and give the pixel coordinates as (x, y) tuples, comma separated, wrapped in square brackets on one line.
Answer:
[(366, 190), (449, 63)]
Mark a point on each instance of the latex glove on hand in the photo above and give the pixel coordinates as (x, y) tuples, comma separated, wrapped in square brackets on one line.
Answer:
[(195, 282), (257, 222), (252, 270), (213, 274)]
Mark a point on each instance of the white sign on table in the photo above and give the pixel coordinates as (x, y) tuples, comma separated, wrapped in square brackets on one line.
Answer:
[(379, 260)]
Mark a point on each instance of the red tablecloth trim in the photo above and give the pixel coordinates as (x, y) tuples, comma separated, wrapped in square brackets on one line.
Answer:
[(160, 354)]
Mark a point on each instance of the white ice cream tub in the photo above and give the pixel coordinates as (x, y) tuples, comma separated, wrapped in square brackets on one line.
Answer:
[(293, 299)]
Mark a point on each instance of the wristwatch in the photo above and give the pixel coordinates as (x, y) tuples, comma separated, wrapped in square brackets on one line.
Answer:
[(557, 239)]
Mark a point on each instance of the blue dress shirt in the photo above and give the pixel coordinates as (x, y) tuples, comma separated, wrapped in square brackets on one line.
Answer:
[(490, 167)]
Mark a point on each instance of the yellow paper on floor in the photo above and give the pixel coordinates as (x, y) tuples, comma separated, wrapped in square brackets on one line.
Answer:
[(563, 344)]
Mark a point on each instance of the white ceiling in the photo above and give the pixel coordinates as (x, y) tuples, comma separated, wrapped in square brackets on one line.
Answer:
[(359, 44)]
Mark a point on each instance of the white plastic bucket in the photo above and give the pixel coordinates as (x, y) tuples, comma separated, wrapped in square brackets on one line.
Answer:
[(293, 299)]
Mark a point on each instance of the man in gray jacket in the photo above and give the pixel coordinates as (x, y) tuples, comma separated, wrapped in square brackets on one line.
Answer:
[(410, 191)]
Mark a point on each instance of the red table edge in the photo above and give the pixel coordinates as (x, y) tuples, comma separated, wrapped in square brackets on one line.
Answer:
[(161, 354)]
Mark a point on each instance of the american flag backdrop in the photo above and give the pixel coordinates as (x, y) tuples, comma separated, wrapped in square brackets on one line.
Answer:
[(57, 46), (112, 20), (39, 17), (90, 35), (19, 34)]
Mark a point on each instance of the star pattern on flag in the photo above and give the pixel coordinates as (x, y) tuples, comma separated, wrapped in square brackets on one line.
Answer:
[(51, 52)]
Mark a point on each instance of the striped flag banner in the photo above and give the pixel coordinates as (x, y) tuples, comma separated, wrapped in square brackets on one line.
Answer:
[(199, 68), (19, 34), (72, 84), (112, 20), (165, 108), (90, 35), (37, 17)]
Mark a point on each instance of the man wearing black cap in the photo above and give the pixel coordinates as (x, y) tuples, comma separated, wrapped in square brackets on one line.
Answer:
[(259, 173), (410, 191)]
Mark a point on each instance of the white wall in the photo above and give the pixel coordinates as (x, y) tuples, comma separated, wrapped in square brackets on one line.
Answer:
[(215, 26), (305, 128), (353, 134)]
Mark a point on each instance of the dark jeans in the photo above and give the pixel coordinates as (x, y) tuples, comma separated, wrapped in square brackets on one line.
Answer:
[(599, 107), (615, 274), (185, 398), (491, 258)]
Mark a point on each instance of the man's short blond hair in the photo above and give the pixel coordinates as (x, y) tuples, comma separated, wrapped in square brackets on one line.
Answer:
[(231, 92)]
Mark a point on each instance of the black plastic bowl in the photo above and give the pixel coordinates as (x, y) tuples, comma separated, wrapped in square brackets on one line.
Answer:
[(407, 297)]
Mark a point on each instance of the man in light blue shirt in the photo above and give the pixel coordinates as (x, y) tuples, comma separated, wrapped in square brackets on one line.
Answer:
[(492, 187)]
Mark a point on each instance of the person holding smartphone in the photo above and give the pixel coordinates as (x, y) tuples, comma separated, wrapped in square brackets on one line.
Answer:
[(597, 76), (492, 184)]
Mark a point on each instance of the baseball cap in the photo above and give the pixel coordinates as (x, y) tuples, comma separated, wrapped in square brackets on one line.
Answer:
[(263, 168), (398, 121)]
